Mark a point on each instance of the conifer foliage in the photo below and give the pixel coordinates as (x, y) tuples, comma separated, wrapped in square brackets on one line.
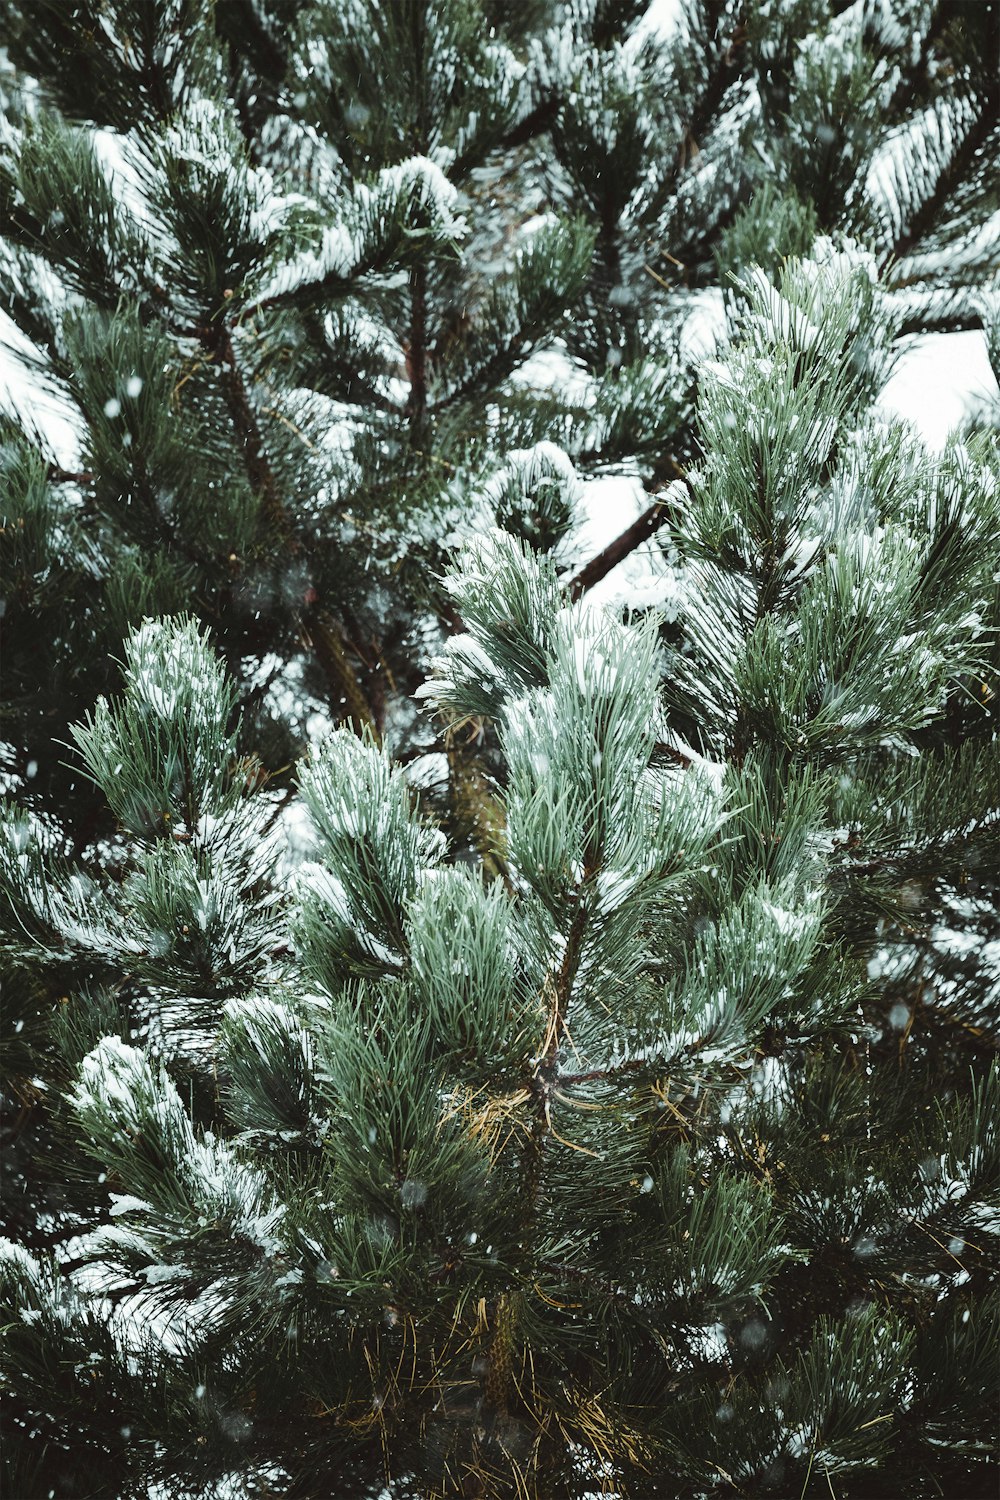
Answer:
[(459, 1041), (614, 1173)]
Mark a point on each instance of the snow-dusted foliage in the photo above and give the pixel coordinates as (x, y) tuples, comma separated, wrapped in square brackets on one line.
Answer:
[(398, 1125), (184, 1182), (465, 1040)]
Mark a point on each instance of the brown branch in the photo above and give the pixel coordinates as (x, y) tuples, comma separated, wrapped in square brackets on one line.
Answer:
[(598, 1075), (55, 475), (319, 628), (559, 988), (497, 1381), (533, 124), (959, 322), (585, 1278), (475, 814), (416, 353), (321, 631), (647, 525), (923, 220), (566, 977), (333, 284), (217, 341)]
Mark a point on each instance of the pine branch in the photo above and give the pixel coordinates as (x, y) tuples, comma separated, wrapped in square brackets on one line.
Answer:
[(647, 525), (242, 31), (416, 353), (911, 78), (535, 123), (331, 287), (337, 370), (727, 69), (319, 628), (587, 1278), (955, 172), (247, 24)]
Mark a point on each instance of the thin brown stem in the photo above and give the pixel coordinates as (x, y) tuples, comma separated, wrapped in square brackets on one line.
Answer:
[(349, 703), (562, 988), (598, 1075), (55, 475), (416, 354), (218, 342), (928, 213), (647, 525), (320, 630)]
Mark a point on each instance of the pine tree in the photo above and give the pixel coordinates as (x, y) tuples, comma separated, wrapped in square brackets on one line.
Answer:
[(288, 271), (731, 142), (289, 268), (286, 268), (251, 298), (646, 1165)]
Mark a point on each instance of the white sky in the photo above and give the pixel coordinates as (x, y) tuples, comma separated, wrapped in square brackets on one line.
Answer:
[(938, 380), (23, 395)]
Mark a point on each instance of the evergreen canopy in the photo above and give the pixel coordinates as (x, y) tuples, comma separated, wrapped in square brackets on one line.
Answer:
[(577, 1179), (576, 1074)]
